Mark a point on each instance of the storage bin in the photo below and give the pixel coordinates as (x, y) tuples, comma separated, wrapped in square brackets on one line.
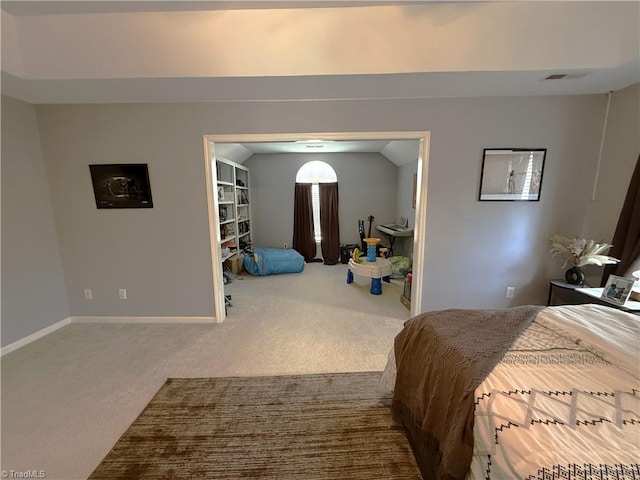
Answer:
[(233, 265)]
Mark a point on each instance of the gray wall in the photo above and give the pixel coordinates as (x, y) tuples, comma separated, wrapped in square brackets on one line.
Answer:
[(473, 249), (160, 255), (367, 186), (33, 291), (619, 157)]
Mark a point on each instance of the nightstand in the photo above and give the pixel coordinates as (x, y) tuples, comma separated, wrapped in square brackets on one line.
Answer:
[(563, 293)]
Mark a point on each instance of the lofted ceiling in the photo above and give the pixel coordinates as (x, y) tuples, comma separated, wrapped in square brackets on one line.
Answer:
[(237, 51)]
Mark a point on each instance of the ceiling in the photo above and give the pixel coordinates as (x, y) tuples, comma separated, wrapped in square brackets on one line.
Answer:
[(240, 51), (51, 7), (397, 151), (191, 51)]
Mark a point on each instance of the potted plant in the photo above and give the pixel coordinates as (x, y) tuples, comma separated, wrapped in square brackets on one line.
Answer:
[(579, 252)]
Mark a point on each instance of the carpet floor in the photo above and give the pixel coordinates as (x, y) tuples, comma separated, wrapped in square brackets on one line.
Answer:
[(323, 426)]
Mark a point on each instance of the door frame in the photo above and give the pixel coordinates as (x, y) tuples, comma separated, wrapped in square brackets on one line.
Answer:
[(419, 232)]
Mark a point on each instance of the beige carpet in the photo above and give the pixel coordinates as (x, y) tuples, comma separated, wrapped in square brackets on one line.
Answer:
[(68, 397), (325, 426)]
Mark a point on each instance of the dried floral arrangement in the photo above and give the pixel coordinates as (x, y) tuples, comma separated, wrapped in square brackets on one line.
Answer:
[(580, 251)]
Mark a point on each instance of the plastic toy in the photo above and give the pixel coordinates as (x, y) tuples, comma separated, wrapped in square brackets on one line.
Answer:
[(376, 268)]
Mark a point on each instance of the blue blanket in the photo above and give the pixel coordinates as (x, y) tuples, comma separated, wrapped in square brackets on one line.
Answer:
[(272, 261)]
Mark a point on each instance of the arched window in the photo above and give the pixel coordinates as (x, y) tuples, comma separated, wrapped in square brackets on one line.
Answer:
[(316, 172)]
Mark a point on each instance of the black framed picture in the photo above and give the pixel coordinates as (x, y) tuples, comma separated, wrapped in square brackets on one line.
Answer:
[(511, 174), (121, 185)]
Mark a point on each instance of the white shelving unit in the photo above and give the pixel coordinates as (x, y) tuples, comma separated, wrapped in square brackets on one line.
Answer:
[(233, 207)]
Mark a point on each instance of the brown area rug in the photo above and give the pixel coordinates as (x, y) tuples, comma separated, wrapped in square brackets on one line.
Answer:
[(326, 426)]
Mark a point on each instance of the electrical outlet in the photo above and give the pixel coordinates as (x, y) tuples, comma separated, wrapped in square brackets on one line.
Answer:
[(122, 294), (285, 245), (510, 292), (88, 294)]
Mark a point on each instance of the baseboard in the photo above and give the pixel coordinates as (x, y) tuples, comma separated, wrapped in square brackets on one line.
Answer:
[(143, 319), (34, 336), (62, 323)]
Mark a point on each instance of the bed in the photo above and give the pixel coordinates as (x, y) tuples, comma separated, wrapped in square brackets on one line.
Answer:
[(273, 261), (529, 392)]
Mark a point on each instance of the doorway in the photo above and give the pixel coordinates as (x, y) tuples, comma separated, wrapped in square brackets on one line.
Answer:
[(423, 139)]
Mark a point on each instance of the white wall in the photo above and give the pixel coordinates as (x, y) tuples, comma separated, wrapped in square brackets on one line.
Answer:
[(474, 250), (33, 291), (367, 186)]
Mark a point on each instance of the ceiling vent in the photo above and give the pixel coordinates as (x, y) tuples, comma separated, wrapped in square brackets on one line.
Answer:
[(566, 76), (556, 76)]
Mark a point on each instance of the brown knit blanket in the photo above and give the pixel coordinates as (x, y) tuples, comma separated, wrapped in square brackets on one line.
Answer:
[(441, 358)]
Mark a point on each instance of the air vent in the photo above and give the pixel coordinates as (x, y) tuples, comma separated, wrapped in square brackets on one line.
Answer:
[(566, 76), (556, 76)]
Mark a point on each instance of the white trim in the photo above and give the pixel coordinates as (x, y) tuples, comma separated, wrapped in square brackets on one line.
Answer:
[(211, 178), (107, 319), (420, 228), (34, 336), (294, 137), (419, 234)]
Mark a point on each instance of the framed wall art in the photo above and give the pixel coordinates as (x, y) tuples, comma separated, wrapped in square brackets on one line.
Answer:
[(121, 185), (511, 174)]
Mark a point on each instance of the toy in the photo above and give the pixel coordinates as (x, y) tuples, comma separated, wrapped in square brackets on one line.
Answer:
[(371, 248), (376, 268)]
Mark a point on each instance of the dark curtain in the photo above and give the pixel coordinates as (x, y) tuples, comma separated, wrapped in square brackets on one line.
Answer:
[(626, 239), (303, 241), (329, 222)]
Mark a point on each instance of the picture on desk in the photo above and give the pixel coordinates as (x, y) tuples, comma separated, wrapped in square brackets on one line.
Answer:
[(617, 289)]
